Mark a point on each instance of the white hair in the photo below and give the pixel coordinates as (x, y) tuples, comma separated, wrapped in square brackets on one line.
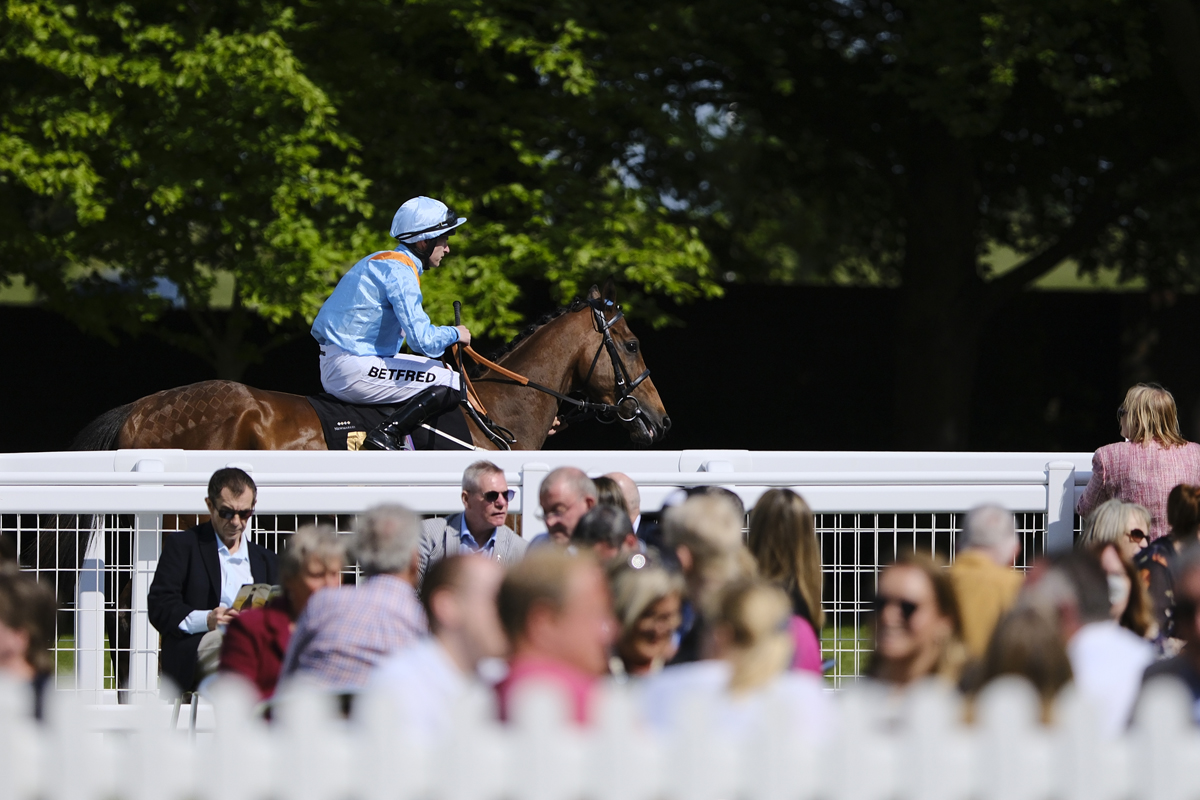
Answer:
[(989, 528), (386, 540), (473, 474)]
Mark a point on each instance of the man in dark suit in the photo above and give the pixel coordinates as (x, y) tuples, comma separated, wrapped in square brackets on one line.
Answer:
[(200, 572), (480, 527)]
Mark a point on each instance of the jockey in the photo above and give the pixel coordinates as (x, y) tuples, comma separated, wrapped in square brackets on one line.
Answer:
[(377, 306)]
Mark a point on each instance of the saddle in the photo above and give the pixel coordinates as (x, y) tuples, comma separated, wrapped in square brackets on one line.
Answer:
[(346, 424)]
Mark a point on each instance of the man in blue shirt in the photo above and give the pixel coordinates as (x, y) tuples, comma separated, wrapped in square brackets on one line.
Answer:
[(480, 527), (375, 308)]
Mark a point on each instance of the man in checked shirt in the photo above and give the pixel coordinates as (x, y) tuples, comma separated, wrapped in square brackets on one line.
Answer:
[(344, 632)]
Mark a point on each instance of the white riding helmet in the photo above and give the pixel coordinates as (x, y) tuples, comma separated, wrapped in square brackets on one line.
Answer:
[(423, 218)]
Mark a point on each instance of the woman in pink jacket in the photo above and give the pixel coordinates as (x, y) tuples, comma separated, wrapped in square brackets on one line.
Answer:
[(1153, 459)]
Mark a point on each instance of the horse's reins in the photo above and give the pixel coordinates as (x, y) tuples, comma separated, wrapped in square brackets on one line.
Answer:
[(500, 436), (627, 408)]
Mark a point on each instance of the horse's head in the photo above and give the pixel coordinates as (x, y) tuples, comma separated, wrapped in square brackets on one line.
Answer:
[(611, 369)]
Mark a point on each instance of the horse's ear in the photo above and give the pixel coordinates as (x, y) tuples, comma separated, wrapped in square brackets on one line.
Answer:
[(610, 290), (593, 293)]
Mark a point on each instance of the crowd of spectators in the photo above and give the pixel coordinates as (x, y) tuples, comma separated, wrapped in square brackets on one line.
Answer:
[(705, 599)]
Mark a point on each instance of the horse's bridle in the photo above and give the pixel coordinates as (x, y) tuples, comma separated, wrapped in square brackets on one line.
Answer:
[(626, 409), (622, 385)]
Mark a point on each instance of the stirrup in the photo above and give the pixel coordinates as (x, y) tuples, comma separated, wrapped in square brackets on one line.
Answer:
[(379, 439)]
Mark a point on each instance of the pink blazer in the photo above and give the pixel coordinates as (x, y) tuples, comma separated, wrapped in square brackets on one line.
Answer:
[(1143, 474)]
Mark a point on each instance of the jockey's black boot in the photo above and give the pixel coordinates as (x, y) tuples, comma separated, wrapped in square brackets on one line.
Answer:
[(390, 434)]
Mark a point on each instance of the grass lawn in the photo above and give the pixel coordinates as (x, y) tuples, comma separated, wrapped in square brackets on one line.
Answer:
[(840, 644), (65, 658)]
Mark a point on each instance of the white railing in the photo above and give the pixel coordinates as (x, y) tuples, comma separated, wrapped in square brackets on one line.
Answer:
[(868, 747), (93, 522)]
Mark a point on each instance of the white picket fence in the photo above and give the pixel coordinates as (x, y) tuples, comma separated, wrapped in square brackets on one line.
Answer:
[(921, 750), (114, 507)]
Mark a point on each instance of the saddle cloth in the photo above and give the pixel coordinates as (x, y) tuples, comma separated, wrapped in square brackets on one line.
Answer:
[(346, 424)]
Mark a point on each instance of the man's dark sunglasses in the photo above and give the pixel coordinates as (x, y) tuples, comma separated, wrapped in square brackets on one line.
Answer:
[(907, 607), (1137, 534), (492, 497), (228, 514)]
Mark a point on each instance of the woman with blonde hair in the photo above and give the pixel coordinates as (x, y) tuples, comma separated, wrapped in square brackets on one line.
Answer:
[(918, 630), (647, 602), (1115, 522), (783, 540), (705, 535), (1153, 458), (745, 670)]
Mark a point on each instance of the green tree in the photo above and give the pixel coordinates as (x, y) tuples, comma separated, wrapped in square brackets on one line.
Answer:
[(899, 143), (508, 111), (171, 154), (146, 150)]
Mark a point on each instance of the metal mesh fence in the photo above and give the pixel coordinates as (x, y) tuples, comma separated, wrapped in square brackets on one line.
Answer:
[(54, 549), (854, 548)]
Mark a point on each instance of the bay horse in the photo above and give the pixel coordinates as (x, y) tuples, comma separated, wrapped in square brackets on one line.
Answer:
[(564, 353)]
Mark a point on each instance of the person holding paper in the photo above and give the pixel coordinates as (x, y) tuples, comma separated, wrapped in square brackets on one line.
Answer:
[(199, 575)]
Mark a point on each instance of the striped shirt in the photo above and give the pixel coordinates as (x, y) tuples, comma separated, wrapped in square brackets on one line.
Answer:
[(343, 633)]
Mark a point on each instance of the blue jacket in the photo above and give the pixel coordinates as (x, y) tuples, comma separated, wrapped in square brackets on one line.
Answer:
[(377, 305)]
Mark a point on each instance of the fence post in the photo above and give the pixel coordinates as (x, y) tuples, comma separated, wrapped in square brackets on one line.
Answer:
[(143, 658), (532, 475), (89, 616), (1060, 506)]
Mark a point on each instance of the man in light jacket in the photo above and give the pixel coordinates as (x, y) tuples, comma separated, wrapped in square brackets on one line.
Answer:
[(480, 527)]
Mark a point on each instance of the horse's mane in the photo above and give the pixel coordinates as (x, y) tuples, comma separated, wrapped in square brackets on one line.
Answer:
[(476, 370)]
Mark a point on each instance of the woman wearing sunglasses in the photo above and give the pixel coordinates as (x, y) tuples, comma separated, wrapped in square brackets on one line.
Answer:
[(1125, 525), (1116, 533), (1153, 458), (918, 632), (647, 602)]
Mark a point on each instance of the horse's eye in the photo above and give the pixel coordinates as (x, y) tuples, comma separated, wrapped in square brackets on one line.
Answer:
[(631, 347)]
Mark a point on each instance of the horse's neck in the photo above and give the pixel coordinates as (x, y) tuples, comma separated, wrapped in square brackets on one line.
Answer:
[(547, 357)]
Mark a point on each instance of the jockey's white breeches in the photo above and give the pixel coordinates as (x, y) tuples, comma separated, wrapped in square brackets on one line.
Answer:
[(376, 379)]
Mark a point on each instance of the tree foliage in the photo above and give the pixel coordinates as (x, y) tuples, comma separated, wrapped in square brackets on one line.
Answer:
[(901, 143), (146, 150), (152, 153)]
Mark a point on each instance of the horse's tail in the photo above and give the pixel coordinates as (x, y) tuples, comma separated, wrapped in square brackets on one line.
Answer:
[(101, 433)]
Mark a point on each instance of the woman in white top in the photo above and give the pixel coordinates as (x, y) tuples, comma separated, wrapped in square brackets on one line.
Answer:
[(744, 674)]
